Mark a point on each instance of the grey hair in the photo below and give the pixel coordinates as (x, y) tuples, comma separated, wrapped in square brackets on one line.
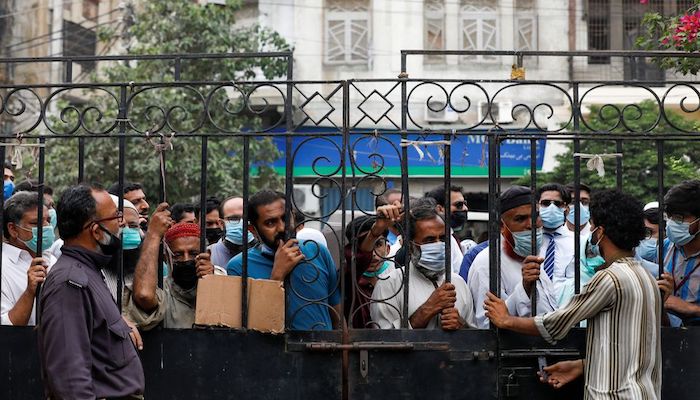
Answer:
[(16, 206)]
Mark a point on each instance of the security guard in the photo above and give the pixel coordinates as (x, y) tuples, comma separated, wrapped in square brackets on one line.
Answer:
[(85, 345)]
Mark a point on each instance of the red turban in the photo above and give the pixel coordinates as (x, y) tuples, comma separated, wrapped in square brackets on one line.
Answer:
[(182, 229)]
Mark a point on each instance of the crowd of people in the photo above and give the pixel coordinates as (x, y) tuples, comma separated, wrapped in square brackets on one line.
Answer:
[(83, 336)]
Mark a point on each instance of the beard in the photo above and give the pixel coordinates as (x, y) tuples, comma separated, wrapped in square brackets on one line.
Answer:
[(274, 243)]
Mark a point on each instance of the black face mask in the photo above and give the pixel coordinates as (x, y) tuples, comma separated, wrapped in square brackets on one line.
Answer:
[(111, 247), (458, 219), (131, 257), (213, 234), (185, 274)]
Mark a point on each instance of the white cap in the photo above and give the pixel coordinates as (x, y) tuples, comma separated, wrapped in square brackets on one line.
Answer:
[(127, 203), (653, 204)]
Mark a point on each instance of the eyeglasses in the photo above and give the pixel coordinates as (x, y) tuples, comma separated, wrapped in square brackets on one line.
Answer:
[(233, 218), (10, 177), (119, 216), (547, 203), (460, 204)]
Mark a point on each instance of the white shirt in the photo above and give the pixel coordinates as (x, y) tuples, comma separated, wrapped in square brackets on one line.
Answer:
[(455, 252), (563, 273), (55, 249), (313, 235), (15, 264), (512, 290), (387, 298)]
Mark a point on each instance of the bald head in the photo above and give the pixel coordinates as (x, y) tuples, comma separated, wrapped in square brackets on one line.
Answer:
[(232, 208)]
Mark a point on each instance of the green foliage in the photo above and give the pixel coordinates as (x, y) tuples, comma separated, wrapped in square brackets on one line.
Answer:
[(174, 27), (639, 161), (675, 33)]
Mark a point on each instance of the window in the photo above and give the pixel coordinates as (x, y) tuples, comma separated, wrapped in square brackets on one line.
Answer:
[(525, 25), (83, 42), (479, 28), (347, 32), (434, 29), (599, 29)]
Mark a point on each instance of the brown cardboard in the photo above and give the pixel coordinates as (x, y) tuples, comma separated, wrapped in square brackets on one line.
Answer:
[(219, 303), (266, 305)]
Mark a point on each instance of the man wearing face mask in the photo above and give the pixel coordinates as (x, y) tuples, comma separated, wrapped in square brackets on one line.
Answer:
[(558, 240), (682, 250), (131, 245), (622, 304), (9, 181), (23, 266), (521, 271), (85, 346), (433, 303), (313, 294), (174, 305), (232, 243), (214, 224), (458, 215)]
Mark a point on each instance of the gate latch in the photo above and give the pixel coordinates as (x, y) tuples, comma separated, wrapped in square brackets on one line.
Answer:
[(512, 386), (364, 363)]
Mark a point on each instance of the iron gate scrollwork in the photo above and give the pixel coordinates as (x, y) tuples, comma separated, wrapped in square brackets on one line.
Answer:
[(360, 136)]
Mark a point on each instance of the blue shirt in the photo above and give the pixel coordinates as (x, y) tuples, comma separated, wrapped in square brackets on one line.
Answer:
[(469, 259), (685, 271), (312, 289)]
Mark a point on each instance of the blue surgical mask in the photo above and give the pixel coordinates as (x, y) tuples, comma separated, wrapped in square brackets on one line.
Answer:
[(234, 232), (595, 247), (679, 232), (432, 256), (647, 250), (131, 238), (53, 218), (378, 271), (9, 188), (523, 242), (585, 215), (552, 216), (265, 249), (47, 238)]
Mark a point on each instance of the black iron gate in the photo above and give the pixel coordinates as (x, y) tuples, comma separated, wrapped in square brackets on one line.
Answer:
[(349, 117)]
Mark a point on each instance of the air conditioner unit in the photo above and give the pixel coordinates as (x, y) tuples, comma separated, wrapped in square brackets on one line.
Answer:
[(443, 113), (305, 200), (501, 110)]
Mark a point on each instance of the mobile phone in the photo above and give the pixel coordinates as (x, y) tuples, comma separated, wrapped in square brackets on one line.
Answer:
[(542, 362)]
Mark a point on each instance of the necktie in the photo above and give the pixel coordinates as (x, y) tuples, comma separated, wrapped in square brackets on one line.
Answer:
[(550, 255)]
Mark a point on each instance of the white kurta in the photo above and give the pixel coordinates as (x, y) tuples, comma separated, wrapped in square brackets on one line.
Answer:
[(387, 298), (512, 290), (15, 264)]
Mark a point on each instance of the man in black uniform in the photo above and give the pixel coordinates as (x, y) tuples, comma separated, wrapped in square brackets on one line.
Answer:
[(85, 346)]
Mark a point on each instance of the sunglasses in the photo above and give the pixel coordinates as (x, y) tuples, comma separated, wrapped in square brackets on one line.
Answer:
[(547, 203)]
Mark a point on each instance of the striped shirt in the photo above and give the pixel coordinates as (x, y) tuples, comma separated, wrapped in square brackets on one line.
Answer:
[(623, 348)]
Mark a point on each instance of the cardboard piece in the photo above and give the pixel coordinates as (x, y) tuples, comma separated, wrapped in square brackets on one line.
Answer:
[(266, 305), (219, 303)]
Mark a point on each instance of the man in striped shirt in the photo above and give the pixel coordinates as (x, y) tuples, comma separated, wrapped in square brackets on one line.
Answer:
[(623, 307)]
